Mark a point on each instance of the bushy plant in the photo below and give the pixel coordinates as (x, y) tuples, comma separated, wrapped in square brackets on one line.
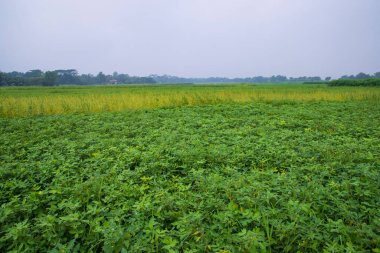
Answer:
[(263, 177), (372, 82)]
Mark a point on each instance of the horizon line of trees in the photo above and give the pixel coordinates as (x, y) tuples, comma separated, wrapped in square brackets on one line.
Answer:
[(70, 76), (37, 77), (258, 79)]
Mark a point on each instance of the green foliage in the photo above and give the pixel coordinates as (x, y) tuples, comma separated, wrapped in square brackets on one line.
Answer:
[(274, 177), (50, 78), (66, 77), (356, 82)]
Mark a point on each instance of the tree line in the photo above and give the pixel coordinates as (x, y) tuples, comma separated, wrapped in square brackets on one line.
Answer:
[(67, 76), (361, 79), (258, 79), (71, 76)]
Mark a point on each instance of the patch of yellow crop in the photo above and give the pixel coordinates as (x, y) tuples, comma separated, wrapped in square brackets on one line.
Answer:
[(146, 98)]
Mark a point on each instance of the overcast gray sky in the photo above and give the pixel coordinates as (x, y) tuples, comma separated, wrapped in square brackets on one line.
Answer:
[(192, 38)]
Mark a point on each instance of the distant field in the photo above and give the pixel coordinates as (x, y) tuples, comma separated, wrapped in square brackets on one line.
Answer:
[(29, 101)]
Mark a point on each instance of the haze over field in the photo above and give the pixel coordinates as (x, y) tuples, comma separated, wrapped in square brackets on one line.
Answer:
[(192, 38)]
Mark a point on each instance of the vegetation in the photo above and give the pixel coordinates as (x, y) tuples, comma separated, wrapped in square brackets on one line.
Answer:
[(66, 76), (356, 82), (71, 77), (256, 79), (361, 75), (28, 101), (261, 177), (290, 168)]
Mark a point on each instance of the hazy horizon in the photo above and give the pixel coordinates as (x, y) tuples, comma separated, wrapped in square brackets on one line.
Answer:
[(223, 38)]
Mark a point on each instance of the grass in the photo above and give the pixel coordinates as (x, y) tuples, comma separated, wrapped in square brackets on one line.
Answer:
[(16, 102), (294, 171)]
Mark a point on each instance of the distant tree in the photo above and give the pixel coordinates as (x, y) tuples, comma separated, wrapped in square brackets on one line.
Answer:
[(376, 75), (3, 79), (71, 72), (278, 79), (67, 76), (8, 80), (147, 80), (15, 74), (33, 73), (348, 77), (314, 79), (101, 78), (259, 79), (87, 79), (362, 75), (122, 78), (50, 78), (327, 79)]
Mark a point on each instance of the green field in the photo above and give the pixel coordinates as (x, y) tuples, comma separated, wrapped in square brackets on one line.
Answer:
[(224, 168)]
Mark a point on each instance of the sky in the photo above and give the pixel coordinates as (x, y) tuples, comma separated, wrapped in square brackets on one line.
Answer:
[(192, 38)]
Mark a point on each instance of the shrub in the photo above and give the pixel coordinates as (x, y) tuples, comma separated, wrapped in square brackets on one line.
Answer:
[(356, 82)]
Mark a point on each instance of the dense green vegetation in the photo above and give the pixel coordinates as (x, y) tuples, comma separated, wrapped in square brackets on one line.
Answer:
[(356, 82), (251, 177)]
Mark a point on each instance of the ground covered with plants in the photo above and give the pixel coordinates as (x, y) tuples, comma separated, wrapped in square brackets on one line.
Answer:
[(251, 177), (41, 101)]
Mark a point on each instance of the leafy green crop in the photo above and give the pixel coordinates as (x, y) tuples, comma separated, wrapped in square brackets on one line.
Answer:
[(263, 177)]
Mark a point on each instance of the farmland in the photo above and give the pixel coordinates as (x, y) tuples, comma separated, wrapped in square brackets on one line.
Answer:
[(216, 168), (29, 101)]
